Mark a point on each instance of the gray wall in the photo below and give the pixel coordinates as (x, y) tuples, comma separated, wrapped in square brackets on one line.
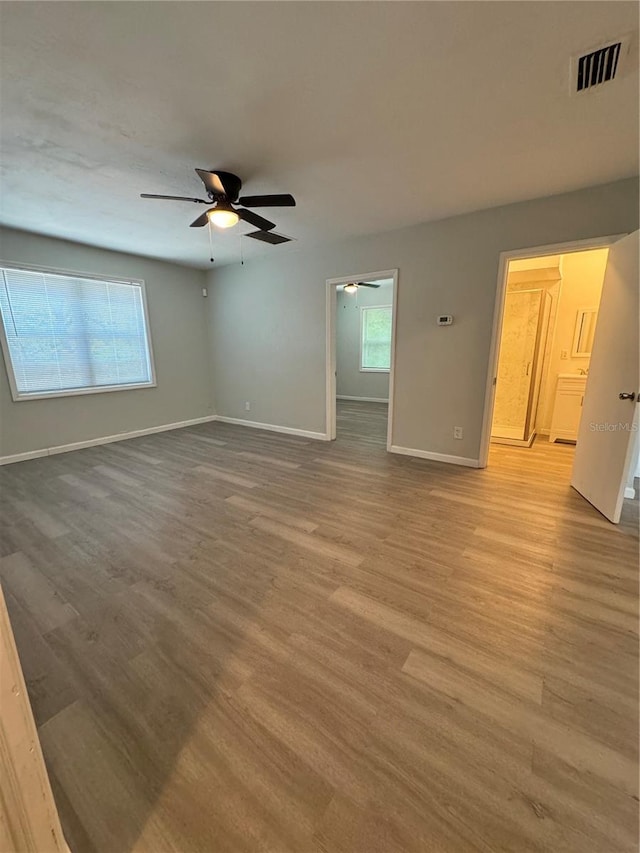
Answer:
[(261, 334), (178, 333), (267, 318), (350, 380)]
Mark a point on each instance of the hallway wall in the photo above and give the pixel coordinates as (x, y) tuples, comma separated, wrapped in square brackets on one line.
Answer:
[(580, 287)]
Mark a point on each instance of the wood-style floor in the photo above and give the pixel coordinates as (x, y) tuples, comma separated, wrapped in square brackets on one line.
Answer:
[(241, 641)]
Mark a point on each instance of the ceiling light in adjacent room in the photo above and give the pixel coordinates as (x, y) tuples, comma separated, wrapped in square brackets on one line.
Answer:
[(351, 288)]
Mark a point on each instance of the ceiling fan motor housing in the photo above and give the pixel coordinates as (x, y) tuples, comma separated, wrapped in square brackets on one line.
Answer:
[(232, 185)]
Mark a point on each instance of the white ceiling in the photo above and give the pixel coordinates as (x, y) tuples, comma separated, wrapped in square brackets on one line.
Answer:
[(374, 115)]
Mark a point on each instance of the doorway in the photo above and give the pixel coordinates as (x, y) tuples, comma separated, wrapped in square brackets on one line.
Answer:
[(360, 357), (547, 317)]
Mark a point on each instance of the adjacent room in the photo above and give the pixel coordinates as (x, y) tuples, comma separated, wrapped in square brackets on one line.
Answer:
[(548, 327), (319, 383), (363, 336), (549, 321)]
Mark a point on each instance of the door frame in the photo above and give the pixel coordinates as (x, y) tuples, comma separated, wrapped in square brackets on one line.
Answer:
[(496, 334), (330, 347)]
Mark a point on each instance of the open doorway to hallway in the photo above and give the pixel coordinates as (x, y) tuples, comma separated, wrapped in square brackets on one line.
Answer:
[(360, 358), (364, 322)]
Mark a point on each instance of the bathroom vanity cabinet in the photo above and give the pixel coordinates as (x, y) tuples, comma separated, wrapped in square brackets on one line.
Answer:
[(567, 407)]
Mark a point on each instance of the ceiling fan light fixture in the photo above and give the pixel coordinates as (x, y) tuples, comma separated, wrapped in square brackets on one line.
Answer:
[(351, 288), (223, 216)]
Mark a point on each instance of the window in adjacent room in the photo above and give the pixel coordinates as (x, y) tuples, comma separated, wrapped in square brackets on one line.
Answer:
[(68, 334), (375, 338)]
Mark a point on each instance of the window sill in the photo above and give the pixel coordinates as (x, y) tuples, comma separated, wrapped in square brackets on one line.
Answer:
[(375, 370), (80, 392)]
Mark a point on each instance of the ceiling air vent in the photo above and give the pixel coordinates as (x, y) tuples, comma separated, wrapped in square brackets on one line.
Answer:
[(599, 66)]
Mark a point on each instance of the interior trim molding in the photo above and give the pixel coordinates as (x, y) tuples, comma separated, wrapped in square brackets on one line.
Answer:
[(514, 442), (103, 439), (22, 457), (435, 457), (305, 433), (363, 399)]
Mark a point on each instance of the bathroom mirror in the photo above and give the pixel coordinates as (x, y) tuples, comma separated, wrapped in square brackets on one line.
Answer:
[(584, 332)]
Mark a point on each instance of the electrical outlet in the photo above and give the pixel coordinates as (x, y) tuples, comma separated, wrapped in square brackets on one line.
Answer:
[(564, 353), (457, 432), (247, 406)]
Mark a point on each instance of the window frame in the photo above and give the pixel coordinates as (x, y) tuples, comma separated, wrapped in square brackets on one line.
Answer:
[(18, 396), (363, 309)]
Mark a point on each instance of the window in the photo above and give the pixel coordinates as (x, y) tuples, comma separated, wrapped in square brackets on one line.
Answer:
[(73, 334), (375, 349)]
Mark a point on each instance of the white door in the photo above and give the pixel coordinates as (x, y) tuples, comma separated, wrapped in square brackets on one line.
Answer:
[(605, 445)]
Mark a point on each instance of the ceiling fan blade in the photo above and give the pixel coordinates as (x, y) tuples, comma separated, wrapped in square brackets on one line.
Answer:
[(366, 284), (173, 197), (202, 219), (269, 237), (253, 219), (211, 181), (282, 200), (221, 183)]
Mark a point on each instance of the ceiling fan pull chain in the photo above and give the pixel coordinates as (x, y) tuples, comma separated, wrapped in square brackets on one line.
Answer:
[(241, 252), (210, 242)]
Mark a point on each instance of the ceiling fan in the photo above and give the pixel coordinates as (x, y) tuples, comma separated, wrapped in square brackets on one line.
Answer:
[(223, 189), (352, 286)]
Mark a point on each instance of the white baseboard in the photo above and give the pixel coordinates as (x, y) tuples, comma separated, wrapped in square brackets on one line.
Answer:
[(305, 433), (363, 399), (104, 439), (435, 457), (514, 442), (512, 433), (630, 492), (22, 457)]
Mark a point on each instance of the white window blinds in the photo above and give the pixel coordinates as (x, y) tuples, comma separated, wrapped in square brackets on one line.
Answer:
[(66, 334)]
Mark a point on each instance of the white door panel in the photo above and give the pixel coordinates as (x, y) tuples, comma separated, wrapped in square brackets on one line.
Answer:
[(605, 439)]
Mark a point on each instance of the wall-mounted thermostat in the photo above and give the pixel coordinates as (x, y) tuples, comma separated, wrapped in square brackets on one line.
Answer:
[(445, 319)]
